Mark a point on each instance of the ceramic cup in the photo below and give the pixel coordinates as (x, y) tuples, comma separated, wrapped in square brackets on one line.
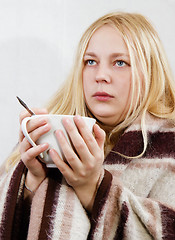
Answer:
[(49, 137)]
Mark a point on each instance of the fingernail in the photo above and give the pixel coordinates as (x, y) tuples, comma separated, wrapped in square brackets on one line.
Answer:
[(78, 116), (52, 152), (44, 145), (58, 133), (68, 120), (42, 120), (46, 125)]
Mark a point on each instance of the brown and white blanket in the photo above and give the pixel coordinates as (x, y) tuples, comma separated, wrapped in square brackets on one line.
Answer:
[(135, 201)]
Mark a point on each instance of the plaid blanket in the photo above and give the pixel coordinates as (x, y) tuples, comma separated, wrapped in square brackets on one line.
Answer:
[(135, 201)]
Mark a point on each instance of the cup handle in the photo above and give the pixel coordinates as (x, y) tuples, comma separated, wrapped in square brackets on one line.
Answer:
[(26, 134)]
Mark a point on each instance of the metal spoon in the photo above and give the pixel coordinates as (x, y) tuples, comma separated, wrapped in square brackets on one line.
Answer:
[(25, 106)]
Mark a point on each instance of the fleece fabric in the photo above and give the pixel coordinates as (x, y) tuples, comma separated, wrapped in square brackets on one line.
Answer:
[(135, 200)]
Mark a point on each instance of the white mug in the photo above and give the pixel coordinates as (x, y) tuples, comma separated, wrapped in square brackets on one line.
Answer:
[(49, 137)]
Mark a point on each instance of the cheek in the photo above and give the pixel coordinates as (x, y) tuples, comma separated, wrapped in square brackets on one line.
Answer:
[(123, 84), (87, 80), (124, 92), (85, 88)]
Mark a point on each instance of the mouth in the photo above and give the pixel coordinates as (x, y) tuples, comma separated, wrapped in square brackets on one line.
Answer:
[(102, 96)]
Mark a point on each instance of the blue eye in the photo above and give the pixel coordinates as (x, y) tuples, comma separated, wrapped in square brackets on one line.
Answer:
[(120, 63), (90, 62)]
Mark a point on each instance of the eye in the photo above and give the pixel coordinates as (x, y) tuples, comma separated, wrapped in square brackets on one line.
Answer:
[(90, 62), (120, 63)]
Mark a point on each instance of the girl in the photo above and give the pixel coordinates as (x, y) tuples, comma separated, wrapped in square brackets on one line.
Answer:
[(120, 182)]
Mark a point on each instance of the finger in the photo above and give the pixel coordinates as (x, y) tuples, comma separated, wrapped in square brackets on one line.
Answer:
[(99, 135), (35, 123), (62, 166), (78, 142), (31, 161), (69, 153), (38, 132), (32, 125), (86, 134), (35, 135), (21, 135), (37, 111), (24, 146), (33, 152)]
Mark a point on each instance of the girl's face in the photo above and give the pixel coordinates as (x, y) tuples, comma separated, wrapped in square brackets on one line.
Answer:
[(107, 76)]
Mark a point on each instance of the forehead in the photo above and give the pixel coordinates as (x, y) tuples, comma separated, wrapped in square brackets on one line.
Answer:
[(107, 38)]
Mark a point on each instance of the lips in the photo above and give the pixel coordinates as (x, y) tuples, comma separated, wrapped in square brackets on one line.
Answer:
[(102, 96)]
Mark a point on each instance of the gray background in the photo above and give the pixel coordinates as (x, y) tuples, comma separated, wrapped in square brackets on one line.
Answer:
[(38, 39)]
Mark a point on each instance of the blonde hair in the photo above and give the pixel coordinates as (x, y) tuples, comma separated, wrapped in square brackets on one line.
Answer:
[(152, 88)]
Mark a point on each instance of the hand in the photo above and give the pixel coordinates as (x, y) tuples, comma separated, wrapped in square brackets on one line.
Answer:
[(36, 128), (83, 168)]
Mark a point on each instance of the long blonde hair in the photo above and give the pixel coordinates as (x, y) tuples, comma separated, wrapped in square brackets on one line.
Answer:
[(155, 91)]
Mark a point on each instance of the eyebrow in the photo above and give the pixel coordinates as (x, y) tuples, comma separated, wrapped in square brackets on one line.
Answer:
[(113, 55)]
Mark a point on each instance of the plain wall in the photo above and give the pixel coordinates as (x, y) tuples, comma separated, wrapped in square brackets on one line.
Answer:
[(38, 39)]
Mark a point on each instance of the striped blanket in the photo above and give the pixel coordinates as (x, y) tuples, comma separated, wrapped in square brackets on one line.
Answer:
[(135, 201)]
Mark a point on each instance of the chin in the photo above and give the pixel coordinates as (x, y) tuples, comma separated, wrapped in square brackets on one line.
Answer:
[(107, 120)]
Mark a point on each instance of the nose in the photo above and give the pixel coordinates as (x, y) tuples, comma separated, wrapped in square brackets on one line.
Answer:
[(103, 74)]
